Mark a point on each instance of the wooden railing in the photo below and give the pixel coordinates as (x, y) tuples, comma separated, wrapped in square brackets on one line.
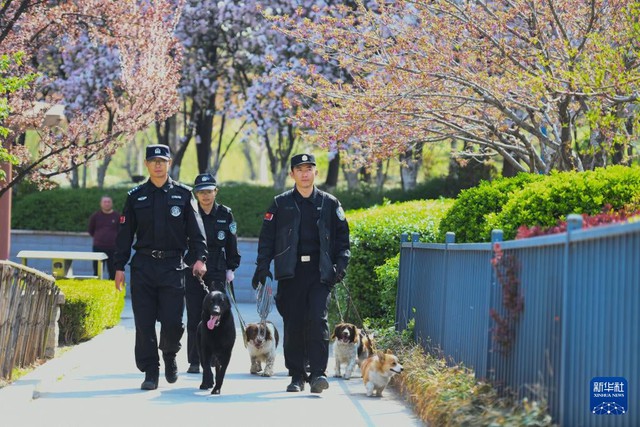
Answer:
[(29, 310)]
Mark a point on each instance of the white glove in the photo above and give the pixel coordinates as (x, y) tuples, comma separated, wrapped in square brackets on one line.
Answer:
[(230, 276)]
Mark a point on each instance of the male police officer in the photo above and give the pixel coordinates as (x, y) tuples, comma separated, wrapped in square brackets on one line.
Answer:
[(223, 259), (306, 234), (162, 218)]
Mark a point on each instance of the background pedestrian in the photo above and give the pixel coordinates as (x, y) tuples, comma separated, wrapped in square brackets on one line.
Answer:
[(103, 228)]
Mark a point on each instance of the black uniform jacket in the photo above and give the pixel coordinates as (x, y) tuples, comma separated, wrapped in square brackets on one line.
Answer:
[(172, 223), (222, 240), (279, 236)]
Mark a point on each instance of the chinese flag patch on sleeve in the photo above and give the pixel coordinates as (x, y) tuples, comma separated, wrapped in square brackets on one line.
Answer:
[(123, 219), (268, 216)]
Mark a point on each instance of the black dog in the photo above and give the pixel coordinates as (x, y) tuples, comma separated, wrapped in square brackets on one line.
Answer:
[(216, 335)]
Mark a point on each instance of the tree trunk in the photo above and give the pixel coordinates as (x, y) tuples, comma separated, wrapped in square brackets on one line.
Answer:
[(204, 130), (410, 162), (351, 176), (102, 170), (333, 171)]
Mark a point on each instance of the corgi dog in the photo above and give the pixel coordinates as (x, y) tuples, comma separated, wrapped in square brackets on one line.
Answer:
[(377, 371)]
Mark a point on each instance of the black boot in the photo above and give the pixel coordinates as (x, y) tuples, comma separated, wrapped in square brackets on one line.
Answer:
[(297, 383), (150, 380), (170, 369), (319, 383)]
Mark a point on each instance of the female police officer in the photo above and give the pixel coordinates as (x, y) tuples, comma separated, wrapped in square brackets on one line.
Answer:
[(161, 221), (306, 235), (223, 258)]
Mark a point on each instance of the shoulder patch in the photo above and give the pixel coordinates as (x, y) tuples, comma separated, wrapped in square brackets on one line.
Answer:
[(340, 213), (134, 189), (268, 216), (233, 227), (181, 185)]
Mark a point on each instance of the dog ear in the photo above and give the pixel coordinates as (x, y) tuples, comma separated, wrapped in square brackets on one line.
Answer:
[(335, 332), (389, 351)]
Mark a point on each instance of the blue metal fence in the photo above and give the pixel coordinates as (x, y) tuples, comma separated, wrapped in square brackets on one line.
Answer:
[(581, 318)]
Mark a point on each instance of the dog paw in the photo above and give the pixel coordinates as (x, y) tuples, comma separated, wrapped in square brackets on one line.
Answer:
[(267, 373), (204, 386), (336, 375), (215, 391)]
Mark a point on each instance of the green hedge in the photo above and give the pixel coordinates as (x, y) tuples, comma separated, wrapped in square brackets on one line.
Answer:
[(468, 216), (375, 237), (547, 201), (91, 305)]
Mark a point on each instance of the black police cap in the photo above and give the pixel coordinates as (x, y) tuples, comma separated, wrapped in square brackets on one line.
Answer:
[(301, 159), (158, 150), (204, 181)]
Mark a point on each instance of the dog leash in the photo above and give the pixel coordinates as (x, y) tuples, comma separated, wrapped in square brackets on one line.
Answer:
[(355, 309), (264, 305), (232, 298), (243, 326)]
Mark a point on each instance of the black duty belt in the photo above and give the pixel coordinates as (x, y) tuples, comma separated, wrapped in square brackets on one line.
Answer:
[(159, 254)]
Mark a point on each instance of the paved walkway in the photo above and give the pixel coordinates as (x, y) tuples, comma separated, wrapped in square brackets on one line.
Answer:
[(96, 383)]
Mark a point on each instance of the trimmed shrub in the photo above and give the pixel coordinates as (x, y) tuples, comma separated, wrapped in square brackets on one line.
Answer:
[(90, 306), (375, 237), (468, 214), (63, 209), (545, 202)]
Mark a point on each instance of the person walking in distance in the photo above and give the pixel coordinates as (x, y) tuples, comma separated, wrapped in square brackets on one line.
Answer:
[(161, 220), (222, 244), (103, 228), (306, 235)]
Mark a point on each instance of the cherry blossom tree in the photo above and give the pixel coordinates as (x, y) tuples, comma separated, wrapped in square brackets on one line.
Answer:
[(117, 65), (522, 80)]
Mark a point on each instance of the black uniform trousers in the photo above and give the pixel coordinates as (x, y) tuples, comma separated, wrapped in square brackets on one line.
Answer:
[(194, 294), (303, 303), (157, 294)]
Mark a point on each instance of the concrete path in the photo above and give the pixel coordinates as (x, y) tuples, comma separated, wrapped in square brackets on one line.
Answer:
[(96, 383)]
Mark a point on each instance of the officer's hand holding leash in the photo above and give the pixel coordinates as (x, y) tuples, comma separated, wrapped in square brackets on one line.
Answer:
[(199, 268), (260, 277), (341, 267), (119, 280), (230, 276)]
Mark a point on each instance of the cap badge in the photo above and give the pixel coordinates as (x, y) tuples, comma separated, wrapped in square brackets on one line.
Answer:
[(305, 158), (158, 151)]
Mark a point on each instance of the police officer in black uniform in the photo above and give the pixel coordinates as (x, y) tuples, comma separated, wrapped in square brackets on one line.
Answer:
[(161, 220), (306, 234), (223, 258)]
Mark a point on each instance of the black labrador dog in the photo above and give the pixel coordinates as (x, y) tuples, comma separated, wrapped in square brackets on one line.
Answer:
[(216, 335)]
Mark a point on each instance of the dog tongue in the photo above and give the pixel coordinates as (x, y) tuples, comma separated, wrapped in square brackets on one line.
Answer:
[(211, 323)]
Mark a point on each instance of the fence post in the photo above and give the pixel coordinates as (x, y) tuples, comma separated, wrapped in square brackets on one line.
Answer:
[(574, 223), (449, 238), (404, 289), (497, 236)]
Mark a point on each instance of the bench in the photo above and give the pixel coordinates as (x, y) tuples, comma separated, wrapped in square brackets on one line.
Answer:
[(61, 261)]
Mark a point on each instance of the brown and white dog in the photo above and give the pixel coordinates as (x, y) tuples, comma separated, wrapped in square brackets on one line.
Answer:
[(262, 345), (377, 371), (351, 346)]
